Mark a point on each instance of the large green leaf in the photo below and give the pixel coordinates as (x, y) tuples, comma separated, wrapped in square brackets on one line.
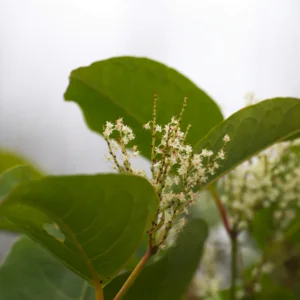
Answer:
[(31, 273), (9, 160), (170, 277), (124, 87), (253, 129), (14, 176), (10, 179), (92, 223)]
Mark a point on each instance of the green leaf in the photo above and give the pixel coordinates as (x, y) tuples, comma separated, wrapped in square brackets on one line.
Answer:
[(125, 86), (273, 290), (170, 277), (31, 273), (101, 218), (252, 130), (9, 160), (9, 180), (14, 176)]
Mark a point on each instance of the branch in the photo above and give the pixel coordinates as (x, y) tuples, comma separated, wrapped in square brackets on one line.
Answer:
[(137, 271), (221, 209), (234, 253)]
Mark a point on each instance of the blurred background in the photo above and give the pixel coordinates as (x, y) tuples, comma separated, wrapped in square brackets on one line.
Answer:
[(227, 47)]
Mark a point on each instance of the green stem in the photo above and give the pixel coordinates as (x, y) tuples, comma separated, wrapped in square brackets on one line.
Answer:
[(137, 271), (234, 255)]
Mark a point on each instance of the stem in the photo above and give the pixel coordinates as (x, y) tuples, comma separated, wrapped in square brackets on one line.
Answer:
[(222, 210), (99, 294), (233, 239), (153, 134), (137, 271), (234, 254)]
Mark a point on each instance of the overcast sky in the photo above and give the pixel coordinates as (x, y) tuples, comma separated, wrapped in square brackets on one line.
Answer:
[(227, 47)]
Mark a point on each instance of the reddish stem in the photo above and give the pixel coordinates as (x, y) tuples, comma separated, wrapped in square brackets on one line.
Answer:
[(222, 211)]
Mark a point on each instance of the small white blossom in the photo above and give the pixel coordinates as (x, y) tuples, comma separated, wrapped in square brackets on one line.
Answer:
[(119, 124), (108, 157), (157, 164), (188, 149), (221, 154), (158, 128), (240, 294), (136, 153), (147, 126), (206, 153), (267, 268), (226, 138)]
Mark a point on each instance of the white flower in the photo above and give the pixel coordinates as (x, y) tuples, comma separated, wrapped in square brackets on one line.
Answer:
[(108, 129), (181, 223), (119, 124), (107, 132), (158, 128), (158, 150), (211, 170), (136, 153), (174, 121), (147, 126), (125, 140), (240, 294), (126, 129), (226, 138), (188, 149), (157, 164), (221, 154), (267, 268), (108, 157), (196, 160), (131, 136), (176, 180), (206, 153), (114, 145)]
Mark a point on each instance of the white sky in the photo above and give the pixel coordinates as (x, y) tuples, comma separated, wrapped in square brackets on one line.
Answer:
[(227, 47)]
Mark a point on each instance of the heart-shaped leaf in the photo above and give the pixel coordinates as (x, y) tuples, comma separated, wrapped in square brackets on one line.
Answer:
[(125, 86), (170, 277), (31, 273), (92, 223), (252, 130)]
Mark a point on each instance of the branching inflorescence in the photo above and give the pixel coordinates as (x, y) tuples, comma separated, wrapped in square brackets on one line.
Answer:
[(177, 172)]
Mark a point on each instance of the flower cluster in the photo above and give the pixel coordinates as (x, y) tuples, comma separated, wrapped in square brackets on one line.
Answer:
[(177, 172), (269, 180)]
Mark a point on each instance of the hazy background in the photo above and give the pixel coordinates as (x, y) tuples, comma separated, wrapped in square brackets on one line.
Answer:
[(227, 47)]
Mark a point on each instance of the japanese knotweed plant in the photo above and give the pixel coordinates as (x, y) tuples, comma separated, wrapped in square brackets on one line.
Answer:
[(127, 234), (264, 190), (177, 172)]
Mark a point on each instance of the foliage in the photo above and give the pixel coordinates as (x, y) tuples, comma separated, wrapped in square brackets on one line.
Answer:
[(88, 231), (124, 87)]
